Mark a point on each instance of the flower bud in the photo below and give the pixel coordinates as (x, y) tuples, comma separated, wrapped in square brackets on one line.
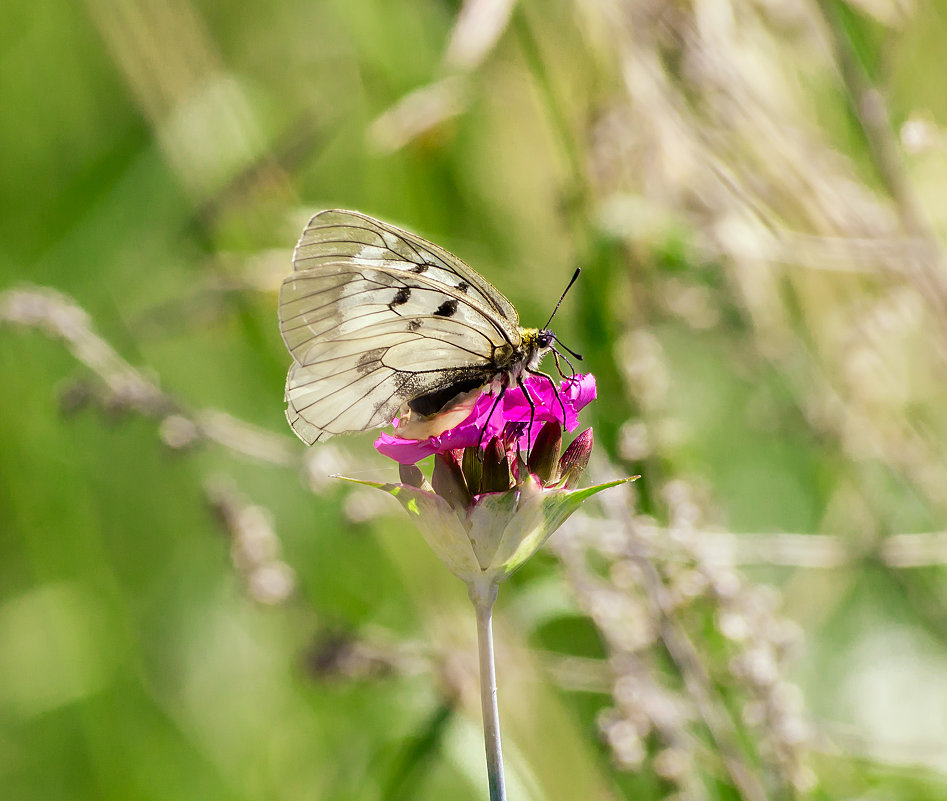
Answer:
[(448, 481), (576, 458), (472, 465), (496, 468), (411, 475), (543, 458)]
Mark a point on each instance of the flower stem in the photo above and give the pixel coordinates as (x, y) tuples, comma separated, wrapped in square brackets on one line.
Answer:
[(483, 597)]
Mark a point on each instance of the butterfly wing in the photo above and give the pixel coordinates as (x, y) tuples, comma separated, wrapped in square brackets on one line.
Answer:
[(369, 332), (369, 242)]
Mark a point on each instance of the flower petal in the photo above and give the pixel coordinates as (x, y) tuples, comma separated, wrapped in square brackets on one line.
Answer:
[(486, 422)]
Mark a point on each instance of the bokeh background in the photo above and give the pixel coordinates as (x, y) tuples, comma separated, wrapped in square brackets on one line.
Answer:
[(191, 609)]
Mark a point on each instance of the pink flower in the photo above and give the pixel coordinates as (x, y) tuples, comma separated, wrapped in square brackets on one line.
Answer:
[(484, 513), (575, 394)]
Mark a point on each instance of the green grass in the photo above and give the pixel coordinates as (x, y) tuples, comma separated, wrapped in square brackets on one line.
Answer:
[(157, 163)]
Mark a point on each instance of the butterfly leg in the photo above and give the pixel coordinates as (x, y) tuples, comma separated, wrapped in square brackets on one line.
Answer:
[(486, 424), (532, 412), (556, 354), (555, 391)]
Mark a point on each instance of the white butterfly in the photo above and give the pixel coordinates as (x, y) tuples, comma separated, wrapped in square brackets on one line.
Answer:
[(383, 324)]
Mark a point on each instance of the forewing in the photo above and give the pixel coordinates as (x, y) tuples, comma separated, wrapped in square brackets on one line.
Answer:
[(342, 308), (367, 338), (348, 235)]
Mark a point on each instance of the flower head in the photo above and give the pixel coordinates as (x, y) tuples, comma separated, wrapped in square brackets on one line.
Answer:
[(486, 511), (560, 403)]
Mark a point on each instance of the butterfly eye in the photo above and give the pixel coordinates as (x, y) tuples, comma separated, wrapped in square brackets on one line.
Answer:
[(545, 338)]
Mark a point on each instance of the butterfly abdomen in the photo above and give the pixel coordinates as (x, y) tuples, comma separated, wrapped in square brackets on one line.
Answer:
[(435, 402)]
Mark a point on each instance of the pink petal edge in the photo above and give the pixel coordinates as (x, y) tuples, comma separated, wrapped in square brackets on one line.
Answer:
[(575, 395)]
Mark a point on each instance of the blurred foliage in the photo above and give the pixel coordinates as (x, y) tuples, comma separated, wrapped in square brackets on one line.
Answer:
[(190, 608)]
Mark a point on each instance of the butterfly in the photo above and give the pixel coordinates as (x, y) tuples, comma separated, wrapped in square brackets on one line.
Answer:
[(383, 324)]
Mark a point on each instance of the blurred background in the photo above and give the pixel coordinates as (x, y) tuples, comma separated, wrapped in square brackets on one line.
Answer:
[(191, 609)]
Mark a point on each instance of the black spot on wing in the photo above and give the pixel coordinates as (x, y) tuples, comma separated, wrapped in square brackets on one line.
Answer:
[(369, 360), (463, 286), (421, 268), (447, 309), (414, 325), (401, 297)]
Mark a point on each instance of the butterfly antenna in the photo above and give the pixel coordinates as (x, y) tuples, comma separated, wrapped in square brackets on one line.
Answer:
[(569, 350), (557, 355), (575, 276)]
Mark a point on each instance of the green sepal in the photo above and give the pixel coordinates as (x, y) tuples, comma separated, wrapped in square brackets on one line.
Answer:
[(486, 521), (438, 523), (539, 514)]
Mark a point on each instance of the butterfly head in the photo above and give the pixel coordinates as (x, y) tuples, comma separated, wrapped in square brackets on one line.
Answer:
[(537, 342)]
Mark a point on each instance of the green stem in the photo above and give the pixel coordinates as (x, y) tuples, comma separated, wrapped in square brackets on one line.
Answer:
[(483, 597)]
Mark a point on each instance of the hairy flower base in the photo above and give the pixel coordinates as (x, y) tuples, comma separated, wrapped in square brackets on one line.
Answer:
[(485, 541), (486, 510), (481, 425), (485, 513)]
